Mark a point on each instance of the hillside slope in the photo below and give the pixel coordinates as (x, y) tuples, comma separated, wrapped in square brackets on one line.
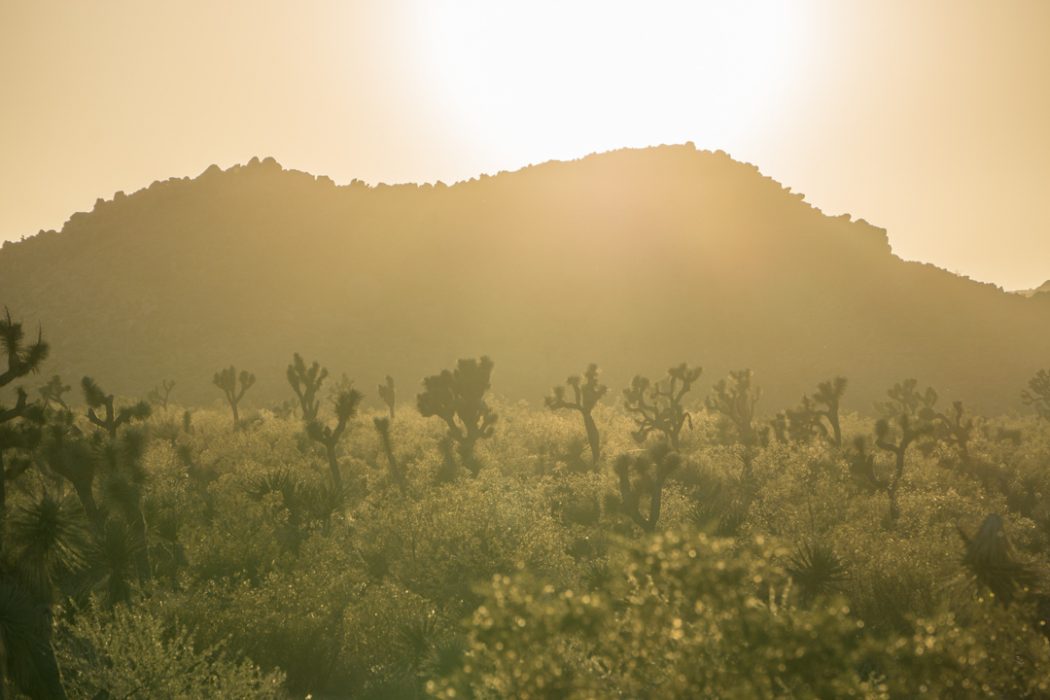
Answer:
[(635, 259)]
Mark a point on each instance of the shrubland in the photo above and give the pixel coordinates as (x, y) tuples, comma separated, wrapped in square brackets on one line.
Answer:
[(680, 542)]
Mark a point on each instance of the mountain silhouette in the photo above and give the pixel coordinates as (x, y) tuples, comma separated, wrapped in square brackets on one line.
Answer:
[(635, 259)]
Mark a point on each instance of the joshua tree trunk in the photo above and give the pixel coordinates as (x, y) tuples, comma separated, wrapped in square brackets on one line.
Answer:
[(592, 437), (836, 429), (333, 464), (3, 509)]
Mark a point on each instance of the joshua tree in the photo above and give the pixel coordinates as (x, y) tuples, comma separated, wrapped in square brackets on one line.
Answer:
[(160, 395), (957, 428), (53, 391), (67, 453), (306, 381), (643, 476), (816, 415), (387, 393), (735, 398), (658, 406), (114, 418), (910, 415), (458, 398), (397, 472), (345, 404), (227, 381), (22, 360), (587, 392), (1037, 395), (25, 627)]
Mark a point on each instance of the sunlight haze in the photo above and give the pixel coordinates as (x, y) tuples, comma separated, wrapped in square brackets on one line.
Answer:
[(925, 118)]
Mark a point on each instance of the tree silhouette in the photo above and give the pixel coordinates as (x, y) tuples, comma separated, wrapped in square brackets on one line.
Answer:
[(397, 471), (161, 394), (910, 415), (657, 407), (22, 360), (587, 392), (305, 382), (1037, 395), (54, 391), (458, 398), (817, 415), (345, 405), (956, 428), (643, 476), (388, 394), (227, 380), (113, 419), (735, 399), (28, 658)]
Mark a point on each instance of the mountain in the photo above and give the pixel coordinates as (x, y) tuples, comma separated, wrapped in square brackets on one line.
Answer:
[(1044, 288), (635, 259)]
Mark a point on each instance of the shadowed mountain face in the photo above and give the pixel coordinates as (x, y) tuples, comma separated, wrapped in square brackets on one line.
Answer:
[(635, 259)]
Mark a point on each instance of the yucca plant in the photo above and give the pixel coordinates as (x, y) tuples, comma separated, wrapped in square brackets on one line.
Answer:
[(48, 538), (587, 391), (991, 560), (816, 569)]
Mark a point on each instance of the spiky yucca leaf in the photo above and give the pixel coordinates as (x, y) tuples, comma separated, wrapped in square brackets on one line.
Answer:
[(816, 569)]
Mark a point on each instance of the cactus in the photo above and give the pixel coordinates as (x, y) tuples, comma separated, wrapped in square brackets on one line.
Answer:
[(1037, 395), (53, 391), (397, 472), (587, 392), (345, 405), (114, 418), (909, 416), (306, 381), (160, 395), (657, 407), (227, 380), (643, 476), (388, 394), (735, 399), (458, 398)]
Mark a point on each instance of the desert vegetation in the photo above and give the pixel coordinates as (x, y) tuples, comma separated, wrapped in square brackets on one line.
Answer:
[(684, 541)]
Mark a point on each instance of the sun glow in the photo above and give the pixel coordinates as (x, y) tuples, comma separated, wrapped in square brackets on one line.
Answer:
[(555, 79)]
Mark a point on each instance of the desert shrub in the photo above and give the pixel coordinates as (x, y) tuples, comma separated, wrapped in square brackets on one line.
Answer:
[(135, 653)]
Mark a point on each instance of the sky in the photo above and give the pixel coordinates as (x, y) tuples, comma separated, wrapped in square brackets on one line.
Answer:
[(930, 118)]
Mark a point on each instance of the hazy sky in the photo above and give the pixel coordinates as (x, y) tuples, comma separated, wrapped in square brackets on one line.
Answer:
[(930, 118)]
